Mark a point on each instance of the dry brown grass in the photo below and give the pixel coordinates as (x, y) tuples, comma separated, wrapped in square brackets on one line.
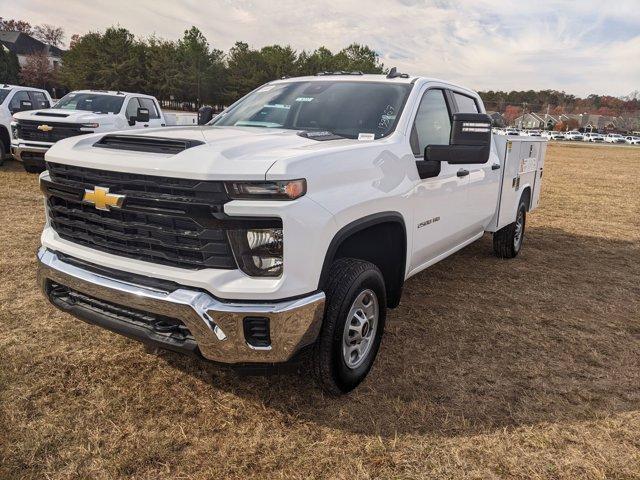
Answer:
[(522, 369)]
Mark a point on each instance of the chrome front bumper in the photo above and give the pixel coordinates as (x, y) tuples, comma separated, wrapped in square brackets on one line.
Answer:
[(18, 149), (216, 326)]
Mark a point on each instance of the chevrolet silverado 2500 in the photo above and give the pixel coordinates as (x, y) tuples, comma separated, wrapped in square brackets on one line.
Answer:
[(14, 99), (80, 113), (286, 228)]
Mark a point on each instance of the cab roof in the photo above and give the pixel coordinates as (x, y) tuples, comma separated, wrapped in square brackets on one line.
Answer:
[(360, 77), (118, 93), (6, 86)]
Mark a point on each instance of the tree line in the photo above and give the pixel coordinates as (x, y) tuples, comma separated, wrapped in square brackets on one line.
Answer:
[(515, 103), (189, 69)]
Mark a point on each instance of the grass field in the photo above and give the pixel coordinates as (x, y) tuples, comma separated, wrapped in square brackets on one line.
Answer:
[(528, 368)]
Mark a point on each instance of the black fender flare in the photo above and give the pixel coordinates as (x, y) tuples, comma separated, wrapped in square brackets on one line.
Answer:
[(357, 226)]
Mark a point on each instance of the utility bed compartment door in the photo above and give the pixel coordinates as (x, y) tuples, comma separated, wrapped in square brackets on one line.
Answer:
[(521, 162)]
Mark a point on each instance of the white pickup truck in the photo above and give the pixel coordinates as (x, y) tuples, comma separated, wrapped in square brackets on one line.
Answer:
[(14, 99), (287, 227), (79, 113)]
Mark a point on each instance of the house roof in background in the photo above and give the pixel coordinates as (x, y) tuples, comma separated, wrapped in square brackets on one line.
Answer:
[(22, 44)]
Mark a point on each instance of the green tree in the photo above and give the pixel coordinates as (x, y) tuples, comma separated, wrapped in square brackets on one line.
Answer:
[(164, 73), (9, 66), (202, 68), (358, 58), (246, 70), (114, 60), (320, 60)]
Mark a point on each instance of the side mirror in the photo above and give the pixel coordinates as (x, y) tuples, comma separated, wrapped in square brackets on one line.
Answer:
[(470, 141), (25, 105), (205, 114), (142, 115)]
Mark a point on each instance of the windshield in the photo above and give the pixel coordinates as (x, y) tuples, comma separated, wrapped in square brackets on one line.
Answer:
[(342, 108), (92, 102), (3, 94)]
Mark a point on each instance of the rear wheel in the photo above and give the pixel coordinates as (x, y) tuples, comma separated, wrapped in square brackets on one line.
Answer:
[(3, 152), (507, 242), (354, 318)]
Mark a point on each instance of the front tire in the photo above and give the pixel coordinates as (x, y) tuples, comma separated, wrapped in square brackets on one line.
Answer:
[(3, 153), (354, 318), (507, 242)]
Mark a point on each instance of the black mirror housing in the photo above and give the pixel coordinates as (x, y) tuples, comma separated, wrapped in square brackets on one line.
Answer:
[(25, 105), (205, 114), (470, 141), (142, 115)]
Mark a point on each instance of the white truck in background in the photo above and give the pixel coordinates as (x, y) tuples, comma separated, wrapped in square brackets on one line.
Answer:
[(79, 113), (288, 225), (14, 99)]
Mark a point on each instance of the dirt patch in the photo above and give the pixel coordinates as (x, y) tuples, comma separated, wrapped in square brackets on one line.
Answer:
[(528, 368)]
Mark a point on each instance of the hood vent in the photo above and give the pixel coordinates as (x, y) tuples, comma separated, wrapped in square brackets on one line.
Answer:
[(140, 143), (48, 114)]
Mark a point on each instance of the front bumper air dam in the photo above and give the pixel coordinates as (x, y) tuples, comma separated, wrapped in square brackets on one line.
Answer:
[(216, 326), (30, 155)]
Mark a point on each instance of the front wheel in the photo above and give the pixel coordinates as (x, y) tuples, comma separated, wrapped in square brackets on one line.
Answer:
[(353, 324), (507, 242)]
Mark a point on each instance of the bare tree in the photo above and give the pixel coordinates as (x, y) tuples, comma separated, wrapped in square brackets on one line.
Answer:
[(37, 71), (49, 34), (11, 25)]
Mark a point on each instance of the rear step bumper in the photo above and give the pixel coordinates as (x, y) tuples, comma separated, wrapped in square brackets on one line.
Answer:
[(184, 320)]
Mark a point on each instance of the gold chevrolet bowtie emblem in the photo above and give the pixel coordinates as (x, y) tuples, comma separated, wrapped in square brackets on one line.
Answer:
[(102, 199), (44, 128)]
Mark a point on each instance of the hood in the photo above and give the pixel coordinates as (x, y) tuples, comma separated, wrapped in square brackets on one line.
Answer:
[(241, 153), (63, 116)]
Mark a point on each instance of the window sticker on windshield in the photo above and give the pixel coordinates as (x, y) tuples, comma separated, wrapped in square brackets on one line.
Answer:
[(366, 136), (387, 118), (304, 99), (277, 105)]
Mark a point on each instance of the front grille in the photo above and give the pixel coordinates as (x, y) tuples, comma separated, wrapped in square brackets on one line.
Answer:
[(28, 130), (163, 220)]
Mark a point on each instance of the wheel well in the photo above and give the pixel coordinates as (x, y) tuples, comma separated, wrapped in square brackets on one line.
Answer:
[(526, 197), (5, 139), (381, 240)]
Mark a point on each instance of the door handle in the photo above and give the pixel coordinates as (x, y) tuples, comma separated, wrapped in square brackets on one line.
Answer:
[(462, 172), (495, 166)]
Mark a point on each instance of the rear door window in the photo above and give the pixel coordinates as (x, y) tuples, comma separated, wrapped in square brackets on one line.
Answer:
[(40, 100), (465, 103)]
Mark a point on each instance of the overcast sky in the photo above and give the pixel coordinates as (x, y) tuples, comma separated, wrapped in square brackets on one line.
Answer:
[(580, 47)]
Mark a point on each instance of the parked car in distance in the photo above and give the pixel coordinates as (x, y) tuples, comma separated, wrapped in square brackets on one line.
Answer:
[(552, 135), (532, 133), (614, 138), (632, 140), (574, 135), (79, 113), (14, 99), (593, 137), (511, 131)]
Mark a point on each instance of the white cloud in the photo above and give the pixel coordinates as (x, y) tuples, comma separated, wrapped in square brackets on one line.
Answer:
[(580, 47)]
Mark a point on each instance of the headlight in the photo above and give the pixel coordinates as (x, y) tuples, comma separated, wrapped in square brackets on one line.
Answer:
[(276, 190), (258, 251), (14, 131)]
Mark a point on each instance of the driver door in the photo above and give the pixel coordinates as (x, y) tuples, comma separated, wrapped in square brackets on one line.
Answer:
[(439, 202)]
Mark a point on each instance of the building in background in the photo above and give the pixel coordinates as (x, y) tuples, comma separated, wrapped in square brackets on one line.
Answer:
[(24, 45)]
